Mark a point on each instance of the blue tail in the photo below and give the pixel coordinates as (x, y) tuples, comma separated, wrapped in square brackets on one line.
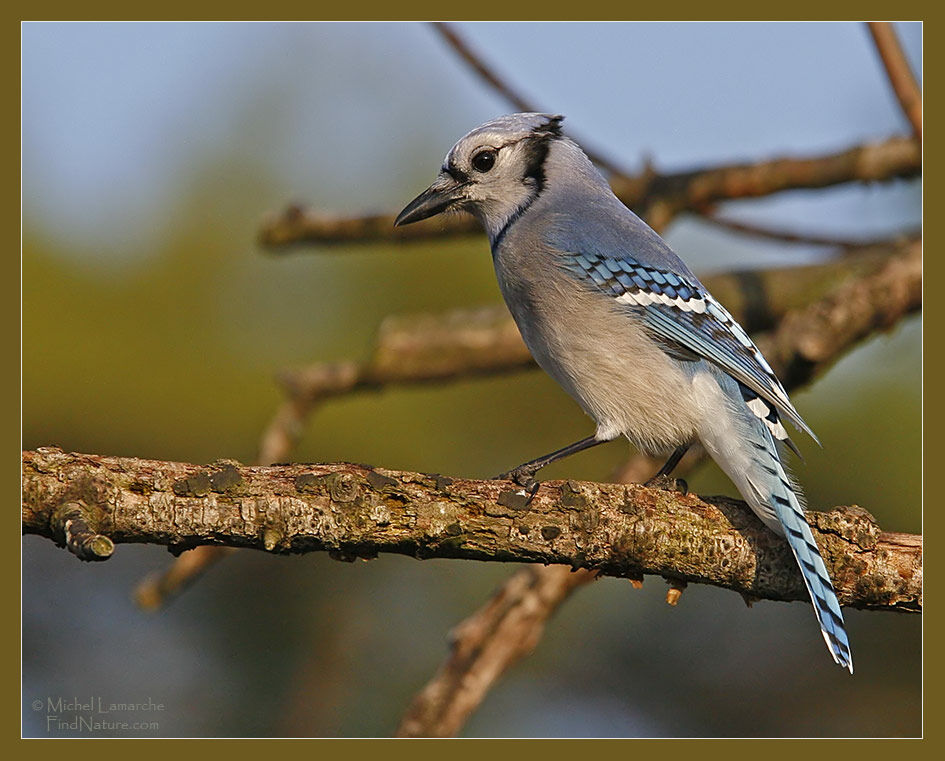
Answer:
[(741, 439), (778, 494), (789, 511)]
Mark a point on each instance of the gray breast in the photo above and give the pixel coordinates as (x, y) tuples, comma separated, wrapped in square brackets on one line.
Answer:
[(594, 349)]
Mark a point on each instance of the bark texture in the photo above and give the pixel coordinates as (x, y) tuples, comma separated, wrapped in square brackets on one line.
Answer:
[(356, 511)]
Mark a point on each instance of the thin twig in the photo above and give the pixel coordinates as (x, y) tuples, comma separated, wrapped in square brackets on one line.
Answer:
[(785, 235), (898, 72), (462, 49), (474, 60)]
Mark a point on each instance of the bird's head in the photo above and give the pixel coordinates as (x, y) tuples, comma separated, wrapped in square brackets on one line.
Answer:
[(492, 172)]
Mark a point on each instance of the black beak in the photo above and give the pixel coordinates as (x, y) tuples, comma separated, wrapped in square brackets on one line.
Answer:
[(437, 198)]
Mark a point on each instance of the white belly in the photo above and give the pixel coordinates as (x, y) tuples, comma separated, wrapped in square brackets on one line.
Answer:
[(602, 357)]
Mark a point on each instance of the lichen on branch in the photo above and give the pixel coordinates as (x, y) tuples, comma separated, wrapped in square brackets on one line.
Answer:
[(355, 511)]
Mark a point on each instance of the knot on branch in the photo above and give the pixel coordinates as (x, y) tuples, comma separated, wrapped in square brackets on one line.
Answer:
[(852, 524), (73, 524)]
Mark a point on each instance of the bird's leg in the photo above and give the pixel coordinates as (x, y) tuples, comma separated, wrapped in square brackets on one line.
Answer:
[(661, 479), (524, 475)]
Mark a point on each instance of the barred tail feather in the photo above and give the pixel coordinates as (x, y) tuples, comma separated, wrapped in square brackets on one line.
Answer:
[(787, 506), (741, 441)]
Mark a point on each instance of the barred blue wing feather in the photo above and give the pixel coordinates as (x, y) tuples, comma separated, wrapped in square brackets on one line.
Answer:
[(678, 308)]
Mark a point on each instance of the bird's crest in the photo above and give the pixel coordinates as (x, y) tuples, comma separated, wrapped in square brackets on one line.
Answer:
[(551, 127)]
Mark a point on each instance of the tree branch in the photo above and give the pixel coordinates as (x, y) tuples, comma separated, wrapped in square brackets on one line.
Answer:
[(809, 340), (485, 645), (355, 511), (656, 197), (898, 72), (417, 349), (664, 196), (787, 235)]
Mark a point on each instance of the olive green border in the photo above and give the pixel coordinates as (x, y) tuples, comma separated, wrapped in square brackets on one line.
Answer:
[(932, 364)]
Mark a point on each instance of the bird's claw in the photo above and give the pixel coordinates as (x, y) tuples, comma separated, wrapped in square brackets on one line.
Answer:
[(524, 478), (668, 483)]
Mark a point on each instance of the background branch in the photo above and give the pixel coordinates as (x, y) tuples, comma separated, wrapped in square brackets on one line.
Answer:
[(656, 197), (486, 644), (898, 72), (661, 197), (417, 349), (157, 589), (787, 235)]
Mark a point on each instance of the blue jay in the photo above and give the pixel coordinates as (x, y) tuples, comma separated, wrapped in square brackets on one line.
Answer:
[(611, 313)]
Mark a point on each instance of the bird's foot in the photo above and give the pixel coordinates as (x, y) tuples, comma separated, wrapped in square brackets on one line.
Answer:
[(668, 483), (524, 477)]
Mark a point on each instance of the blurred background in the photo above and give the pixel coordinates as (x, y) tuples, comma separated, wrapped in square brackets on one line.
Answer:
[(153, 326)]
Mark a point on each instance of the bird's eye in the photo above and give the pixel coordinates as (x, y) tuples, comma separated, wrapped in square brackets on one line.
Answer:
[(484, 160)]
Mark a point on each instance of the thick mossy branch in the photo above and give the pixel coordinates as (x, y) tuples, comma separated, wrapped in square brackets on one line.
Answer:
[(355, 511)]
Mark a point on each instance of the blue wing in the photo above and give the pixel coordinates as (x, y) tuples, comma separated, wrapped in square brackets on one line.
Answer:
[(678, 309)]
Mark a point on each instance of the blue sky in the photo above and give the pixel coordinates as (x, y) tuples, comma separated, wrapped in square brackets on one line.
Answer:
[(116, 115)]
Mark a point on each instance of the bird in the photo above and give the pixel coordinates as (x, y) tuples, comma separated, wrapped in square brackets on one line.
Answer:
[(609, 311)]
